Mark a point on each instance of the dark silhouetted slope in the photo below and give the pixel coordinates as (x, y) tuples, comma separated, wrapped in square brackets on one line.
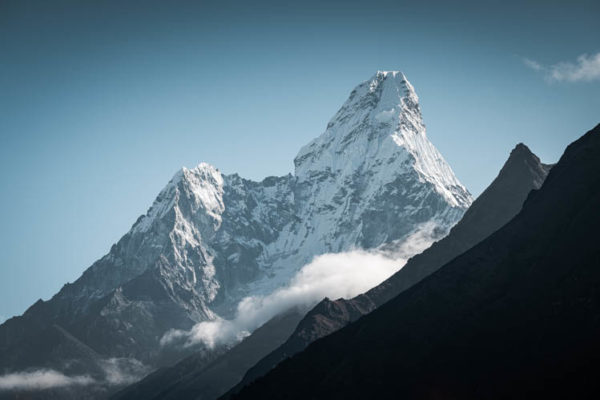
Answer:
[(516, 316), (500, 202)]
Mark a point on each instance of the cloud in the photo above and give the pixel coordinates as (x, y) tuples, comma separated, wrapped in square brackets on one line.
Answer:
[(585, 69), (534, 65), (331, 275), (123, 371), (41, 379), (117, 372)]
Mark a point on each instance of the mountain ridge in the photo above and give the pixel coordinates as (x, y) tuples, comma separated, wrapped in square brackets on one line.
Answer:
[(210, 240)]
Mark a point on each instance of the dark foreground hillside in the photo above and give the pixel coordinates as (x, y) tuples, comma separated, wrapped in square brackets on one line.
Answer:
[(497, 205), (516, 316)]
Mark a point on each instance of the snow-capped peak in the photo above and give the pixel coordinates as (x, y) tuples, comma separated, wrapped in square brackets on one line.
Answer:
[(202, 185), (371, 180), (380, 129), (396, 83)]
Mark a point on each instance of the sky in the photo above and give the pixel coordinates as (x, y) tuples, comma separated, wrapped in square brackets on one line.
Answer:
[(102, 102)]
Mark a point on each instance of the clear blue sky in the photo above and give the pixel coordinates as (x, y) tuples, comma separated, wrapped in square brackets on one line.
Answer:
[(101, 102)]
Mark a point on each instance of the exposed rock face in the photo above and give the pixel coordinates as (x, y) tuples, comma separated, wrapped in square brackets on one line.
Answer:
[(372, 179)]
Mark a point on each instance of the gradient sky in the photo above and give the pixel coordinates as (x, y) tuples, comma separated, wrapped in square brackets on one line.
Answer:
[(101, 102)]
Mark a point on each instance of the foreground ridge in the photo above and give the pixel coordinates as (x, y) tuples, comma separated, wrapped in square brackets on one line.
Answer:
[(515, 316)]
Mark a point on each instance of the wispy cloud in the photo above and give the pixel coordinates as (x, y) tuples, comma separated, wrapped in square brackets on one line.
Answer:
[(534, 65), (117, 372), (123, 371), (41, 379), (331, 275), (585, 69)]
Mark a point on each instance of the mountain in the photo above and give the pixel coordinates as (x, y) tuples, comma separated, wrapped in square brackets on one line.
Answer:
[(501, 201), (498, 204), (516, 316), (372, 179)]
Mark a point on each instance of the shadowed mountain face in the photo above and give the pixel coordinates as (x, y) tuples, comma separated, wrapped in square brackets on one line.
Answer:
[(500, 202), (516, 316)]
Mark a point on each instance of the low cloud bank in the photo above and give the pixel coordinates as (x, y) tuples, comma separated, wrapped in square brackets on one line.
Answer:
[(331, 275), (117, 371), (41, 379), (585, 69)]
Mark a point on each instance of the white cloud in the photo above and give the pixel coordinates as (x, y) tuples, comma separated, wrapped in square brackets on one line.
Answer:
[(117, 371), (41, 379), (585, 69), (329, 275), (122, 371), (534, 65)]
